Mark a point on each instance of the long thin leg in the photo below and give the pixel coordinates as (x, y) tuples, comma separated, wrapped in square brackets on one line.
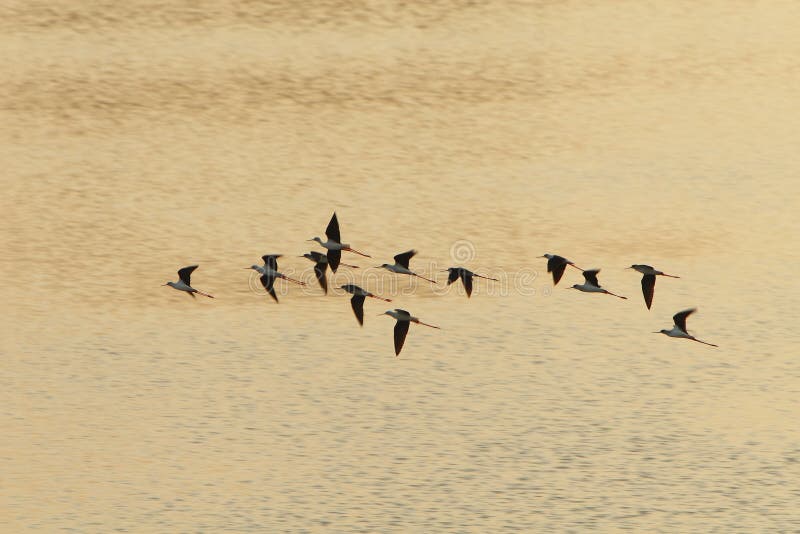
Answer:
[(284, 277), (348, 249), (703, 342), (428, 279)]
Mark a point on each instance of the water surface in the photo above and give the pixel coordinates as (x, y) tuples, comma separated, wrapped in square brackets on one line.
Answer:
[(140, 139)]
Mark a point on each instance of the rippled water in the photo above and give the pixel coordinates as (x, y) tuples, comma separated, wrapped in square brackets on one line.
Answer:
[(139, 138)]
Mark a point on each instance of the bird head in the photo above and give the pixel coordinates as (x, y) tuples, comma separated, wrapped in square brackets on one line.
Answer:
[(317, 239)]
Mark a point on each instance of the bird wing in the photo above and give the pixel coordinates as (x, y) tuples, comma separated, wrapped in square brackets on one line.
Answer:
[(400, 331), (334, 257), (466, 278), (357, 302), (404, 257), (558, 271), (316, 257), (185, 274), (452, 275), (319, 272), (648, 285), (591, 276), (271, 261), (555, 261), (268, 281), (680, 318), (332, 231)]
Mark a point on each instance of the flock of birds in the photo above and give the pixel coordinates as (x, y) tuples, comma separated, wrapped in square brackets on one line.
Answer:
[(556, 265)]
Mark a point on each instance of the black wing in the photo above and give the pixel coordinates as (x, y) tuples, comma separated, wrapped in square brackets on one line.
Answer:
[(680, 318), (319, 271), (268, 282), (318, 257), (351, 288), (452, 275), (334, 257), (555, 262), (357, 303), (271, 261), (591, 276), (332, 231), (404, 257), (185, 274), (558, 271), (400, 331), (466, 278), (648, 285)]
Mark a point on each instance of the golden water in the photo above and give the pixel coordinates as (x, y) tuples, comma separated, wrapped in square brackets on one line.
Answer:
[(138, 138)]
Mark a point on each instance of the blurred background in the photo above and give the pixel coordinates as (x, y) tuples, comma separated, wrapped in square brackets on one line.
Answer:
[(141, 137)]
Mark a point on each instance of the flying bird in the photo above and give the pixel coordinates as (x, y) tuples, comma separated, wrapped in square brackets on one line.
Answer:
[(466, 277), (334, 244), (649, 281), (321, 266), (591, 285), (404, 319), (400, 265), (184, 282), (269, 272), (557, 265), (358, 298), (679, 328)]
